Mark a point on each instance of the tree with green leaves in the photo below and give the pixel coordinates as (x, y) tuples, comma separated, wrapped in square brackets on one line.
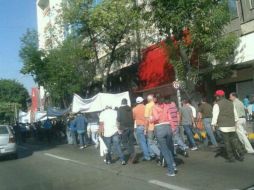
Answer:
[(109, 28), (70, 70), (13, 96), (63, 70), (33, 58), (197, 43)]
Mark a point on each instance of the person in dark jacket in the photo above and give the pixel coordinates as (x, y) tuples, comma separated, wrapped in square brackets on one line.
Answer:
[(126, 127), (225, 117), (81, 125)]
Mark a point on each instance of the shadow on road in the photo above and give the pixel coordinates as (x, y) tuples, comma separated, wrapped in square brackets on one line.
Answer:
[(27, 149)]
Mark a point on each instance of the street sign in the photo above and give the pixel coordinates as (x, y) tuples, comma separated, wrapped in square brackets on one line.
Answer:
[(176, 84)]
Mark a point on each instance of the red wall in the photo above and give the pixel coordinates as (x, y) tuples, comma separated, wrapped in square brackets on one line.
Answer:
[(155, 69)]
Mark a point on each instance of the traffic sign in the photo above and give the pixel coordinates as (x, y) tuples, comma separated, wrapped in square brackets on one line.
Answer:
[(176, 84)]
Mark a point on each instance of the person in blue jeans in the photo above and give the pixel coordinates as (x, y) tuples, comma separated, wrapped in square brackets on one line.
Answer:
[(81, 125), (164, 134), (73, 131), (109, 131), (187, 121), (140, 122)]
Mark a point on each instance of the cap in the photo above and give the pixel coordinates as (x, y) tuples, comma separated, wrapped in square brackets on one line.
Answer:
[(219, 93), (139, 100)]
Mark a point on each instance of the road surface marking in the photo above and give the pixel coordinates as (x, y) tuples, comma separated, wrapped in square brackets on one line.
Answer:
[(166, 185), (155, 182), (57, 157), (65, 159)]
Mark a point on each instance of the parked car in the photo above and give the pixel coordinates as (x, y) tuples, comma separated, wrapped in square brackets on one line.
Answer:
[(8, 145)]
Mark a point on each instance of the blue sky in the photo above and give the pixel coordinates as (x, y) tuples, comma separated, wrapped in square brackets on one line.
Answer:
[(16, 16)]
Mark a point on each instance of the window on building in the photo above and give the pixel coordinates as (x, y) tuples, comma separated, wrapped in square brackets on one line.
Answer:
[(251, 4), (233, 8)]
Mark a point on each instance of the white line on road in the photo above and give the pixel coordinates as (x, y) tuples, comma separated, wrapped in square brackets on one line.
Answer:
[(155, 182), (65, 159), (57, 157), (166, 185)]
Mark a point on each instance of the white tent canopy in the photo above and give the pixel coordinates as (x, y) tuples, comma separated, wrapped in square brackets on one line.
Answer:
[(98, 102)]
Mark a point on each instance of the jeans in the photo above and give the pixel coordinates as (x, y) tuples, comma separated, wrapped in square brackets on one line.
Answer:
[(164, 136), (128, 139), (188, 131), (113, 140), (208, 128), (142, 140), (74, 137), (178, 140), (152, 146), (82, 138)]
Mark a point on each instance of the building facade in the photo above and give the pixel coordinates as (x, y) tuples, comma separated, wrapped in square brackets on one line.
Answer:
[(50, 33), (242, 78)]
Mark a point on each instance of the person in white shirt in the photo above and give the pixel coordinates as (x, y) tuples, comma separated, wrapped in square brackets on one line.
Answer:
[(225, 117), (241, 123), (109, 131)]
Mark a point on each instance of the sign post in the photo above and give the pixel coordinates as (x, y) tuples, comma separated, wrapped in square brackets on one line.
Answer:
[(177, 85)]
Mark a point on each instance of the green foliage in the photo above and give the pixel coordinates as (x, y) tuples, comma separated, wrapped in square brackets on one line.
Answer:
[(32, 58), (106, 28), (13, 96), (206, 21), (69, 70), (63, 70)]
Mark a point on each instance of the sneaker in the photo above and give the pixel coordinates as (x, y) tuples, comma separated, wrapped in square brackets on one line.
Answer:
[(107, 162), (194, 148), (171, 174), (123, 162)]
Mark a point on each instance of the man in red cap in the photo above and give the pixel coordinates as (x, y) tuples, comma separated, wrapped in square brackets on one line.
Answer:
[(225, 117)]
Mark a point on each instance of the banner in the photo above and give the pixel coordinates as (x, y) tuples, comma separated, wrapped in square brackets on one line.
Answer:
[(98, 102)]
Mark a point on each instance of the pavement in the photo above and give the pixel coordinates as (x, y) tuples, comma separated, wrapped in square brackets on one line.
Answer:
[(65, 167)]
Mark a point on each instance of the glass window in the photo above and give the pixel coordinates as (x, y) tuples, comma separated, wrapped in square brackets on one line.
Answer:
[(233, 8), (251, 4), (3, 130)]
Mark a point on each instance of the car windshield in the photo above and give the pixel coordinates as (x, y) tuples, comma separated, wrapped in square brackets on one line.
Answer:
[(3, 130)]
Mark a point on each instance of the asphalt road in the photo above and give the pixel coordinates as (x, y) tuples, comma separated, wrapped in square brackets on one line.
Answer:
[(64, 167)]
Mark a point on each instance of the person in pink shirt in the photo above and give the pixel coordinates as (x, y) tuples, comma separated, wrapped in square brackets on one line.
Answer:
[(174, 119), (164, 134)]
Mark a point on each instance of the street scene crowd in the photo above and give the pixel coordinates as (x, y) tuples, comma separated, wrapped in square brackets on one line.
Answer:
[(158, 127)]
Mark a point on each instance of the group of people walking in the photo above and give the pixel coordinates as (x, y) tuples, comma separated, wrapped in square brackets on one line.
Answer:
[(158, 127)]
